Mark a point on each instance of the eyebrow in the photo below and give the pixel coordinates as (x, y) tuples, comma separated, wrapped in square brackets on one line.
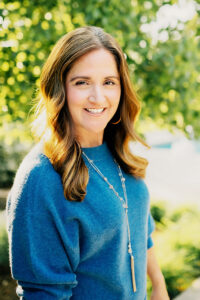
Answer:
[(86, 77)]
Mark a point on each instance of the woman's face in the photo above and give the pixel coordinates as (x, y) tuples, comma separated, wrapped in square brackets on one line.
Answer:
[(93, 93)]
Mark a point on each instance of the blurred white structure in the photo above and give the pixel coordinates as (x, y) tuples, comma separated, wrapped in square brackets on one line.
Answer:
[(173, 173), (193, 293)]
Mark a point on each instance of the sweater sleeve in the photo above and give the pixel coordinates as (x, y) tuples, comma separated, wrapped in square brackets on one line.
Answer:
[(151, 227), (43, 235)]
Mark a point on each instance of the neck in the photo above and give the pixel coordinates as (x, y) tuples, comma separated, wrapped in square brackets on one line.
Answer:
[(91, 141)]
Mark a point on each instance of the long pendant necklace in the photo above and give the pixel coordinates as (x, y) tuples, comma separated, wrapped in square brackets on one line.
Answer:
[(125, 206)]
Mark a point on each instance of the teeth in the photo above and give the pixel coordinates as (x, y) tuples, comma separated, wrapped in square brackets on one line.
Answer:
[(95, 110)]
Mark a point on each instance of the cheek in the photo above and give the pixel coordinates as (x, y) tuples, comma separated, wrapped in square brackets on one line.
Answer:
[(74, 98), (115, 97)]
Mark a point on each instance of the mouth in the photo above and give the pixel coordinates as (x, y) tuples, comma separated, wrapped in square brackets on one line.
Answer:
[(95, 111)]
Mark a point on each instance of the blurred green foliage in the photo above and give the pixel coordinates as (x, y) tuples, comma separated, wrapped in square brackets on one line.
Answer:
[(165, 73), (10, 157), (158, 212), (15, 142), (4, 253), (177, 244)]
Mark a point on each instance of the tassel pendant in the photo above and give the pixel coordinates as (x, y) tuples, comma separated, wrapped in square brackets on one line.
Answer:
[(133, 273)]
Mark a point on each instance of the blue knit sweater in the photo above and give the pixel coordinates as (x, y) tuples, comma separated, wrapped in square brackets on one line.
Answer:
[(63, 250)]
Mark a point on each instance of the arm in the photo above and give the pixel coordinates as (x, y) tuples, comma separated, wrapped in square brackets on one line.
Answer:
[(44, 241), (158, 282)]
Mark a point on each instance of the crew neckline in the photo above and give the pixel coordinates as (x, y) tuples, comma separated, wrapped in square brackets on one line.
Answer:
[(97, 152)]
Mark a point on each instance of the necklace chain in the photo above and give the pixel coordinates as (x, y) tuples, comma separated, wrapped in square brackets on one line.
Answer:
[(125, 206), (125, 200)]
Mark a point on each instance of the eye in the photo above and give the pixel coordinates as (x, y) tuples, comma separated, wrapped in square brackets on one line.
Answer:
[(109, 82), (81, 82)]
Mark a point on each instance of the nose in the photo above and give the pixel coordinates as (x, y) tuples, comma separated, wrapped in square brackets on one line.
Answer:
[(97, 95)]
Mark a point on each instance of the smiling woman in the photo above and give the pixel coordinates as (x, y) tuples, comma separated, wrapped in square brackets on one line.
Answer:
[(93, 95), (85, 52), (79, 195)]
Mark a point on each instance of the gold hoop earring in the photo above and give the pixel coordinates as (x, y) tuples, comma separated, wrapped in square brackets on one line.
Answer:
[(115, 123)]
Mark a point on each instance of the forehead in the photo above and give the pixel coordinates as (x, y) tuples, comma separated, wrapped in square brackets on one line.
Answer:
[(99, 60)]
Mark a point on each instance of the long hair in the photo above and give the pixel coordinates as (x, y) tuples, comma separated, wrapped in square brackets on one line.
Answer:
[(55, 123)]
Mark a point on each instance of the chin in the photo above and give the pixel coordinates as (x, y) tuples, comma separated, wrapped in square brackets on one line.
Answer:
[(96, 128)]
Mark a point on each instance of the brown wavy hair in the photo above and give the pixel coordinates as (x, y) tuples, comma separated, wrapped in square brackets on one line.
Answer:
[(55, 123)]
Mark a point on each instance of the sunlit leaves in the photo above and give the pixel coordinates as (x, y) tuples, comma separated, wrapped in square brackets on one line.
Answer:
[(166, 75)]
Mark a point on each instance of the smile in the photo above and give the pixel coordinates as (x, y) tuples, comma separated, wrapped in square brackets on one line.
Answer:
[(95, 110)]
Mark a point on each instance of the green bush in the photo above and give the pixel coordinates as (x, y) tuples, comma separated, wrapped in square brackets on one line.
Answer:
[(158, 211), (4, 252), (4, 257), (10, 157), (177, 246)]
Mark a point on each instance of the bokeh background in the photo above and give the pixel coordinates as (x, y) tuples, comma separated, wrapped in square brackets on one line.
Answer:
[(161, 41)]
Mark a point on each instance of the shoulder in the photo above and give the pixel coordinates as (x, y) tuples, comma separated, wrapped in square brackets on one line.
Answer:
[(35, 166), (143, 186), (137, 190), (137, 183), (35, 178)]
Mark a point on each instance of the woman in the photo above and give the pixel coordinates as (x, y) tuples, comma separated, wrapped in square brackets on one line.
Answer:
[(78, 213)]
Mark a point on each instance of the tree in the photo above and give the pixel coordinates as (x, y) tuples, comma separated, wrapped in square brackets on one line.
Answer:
[(165, 74)]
